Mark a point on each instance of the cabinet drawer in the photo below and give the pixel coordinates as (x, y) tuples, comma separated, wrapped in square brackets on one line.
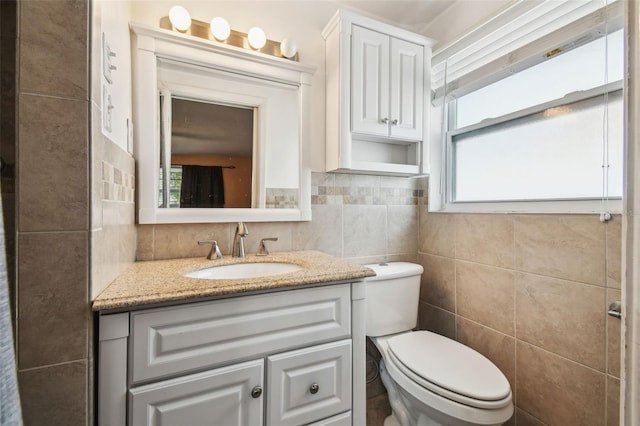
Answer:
[(223, 394), (168, 341), (309, 384)]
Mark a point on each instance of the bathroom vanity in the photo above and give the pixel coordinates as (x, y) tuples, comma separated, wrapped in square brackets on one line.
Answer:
[(279, 350)]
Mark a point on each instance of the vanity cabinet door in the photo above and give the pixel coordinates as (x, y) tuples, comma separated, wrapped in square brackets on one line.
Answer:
[(370, 82), (230, 396), (310, 384)]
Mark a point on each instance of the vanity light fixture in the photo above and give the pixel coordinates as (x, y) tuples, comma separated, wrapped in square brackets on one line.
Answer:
[(288, 48), (218, 30), (180, 18), (257, 38)]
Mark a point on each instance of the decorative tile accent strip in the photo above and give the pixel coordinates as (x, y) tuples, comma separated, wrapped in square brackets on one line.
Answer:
[(281, 198), (338, 188), (117, 185)]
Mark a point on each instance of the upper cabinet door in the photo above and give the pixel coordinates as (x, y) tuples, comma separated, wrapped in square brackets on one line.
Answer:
[(370, 82), (407, 81)]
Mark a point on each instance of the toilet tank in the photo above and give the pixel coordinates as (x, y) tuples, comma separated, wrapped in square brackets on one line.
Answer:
[(392, 298)]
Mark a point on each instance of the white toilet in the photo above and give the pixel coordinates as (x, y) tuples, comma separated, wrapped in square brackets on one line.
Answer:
[(430, 379)]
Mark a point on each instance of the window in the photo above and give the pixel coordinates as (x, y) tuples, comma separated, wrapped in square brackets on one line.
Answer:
[(550, 133)]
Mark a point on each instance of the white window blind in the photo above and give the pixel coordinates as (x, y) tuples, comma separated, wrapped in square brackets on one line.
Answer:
[(518, 38)]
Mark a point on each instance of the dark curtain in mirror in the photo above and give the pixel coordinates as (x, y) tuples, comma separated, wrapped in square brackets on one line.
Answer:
[(202, 187)]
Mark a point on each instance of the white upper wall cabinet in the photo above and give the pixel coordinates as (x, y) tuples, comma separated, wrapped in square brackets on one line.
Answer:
[(377, 107)]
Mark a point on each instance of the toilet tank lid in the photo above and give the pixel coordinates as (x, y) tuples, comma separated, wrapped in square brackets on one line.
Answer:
[(391, 270)]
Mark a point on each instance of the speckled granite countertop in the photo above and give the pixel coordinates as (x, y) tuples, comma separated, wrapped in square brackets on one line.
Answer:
[(163, 281)]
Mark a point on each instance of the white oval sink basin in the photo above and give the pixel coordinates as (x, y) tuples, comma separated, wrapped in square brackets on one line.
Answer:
[(244, 270)]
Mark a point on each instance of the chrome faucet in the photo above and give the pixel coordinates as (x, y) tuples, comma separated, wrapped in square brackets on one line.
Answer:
[(238, 240)]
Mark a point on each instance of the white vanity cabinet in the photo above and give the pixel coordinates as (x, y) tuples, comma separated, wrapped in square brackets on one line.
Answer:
[(377, 87), (293, 357)]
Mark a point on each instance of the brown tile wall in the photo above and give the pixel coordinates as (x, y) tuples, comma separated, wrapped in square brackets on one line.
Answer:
[(530, 292), (8, 118), (54, 322)]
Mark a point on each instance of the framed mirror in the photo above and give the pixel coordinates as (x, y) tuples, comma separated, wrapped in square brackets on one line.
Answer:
[(221, 133)]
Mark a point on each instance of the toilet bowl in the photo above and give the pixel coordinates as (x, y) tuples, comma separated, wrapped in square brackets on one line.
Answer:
[(430, 379)]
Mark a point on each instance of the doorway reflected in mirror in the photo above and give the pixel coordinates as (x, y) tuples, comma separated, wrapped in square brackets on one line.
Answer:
[(210, 158)]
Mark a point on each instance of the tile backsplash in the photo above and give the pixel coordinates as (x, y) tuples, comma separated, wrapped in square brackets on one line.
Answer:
[(364, 218), (366, 190), (281, 198), (118, 185)]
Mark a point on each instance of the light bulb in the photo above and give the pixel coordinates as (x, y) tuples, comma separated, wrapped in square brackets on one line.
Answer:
[(257, 38), (220, 28), (180, 18), (288, 48)]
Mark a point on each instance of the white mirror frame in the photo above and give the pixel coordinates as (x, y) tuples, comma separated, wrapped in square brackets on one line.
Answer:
[(153, 44)]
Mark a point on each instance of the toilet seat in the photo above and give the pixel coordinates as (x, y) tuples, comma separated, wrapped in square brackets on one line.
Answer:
[(449, 369)]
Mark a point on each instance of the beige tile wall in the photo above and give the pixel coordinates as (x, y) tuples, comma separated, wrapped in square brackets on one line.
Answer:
[(363, 218), (113, 234), (527, 291), (531, 292)]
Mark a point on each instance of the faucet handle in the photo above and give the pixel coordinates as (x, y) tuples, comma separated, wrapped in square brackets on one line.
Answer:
[(214, 253), (262, 248)]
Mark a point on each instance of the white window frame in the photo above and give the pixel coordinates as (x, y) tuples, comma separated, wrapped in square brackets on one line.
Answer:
[(440, 180)]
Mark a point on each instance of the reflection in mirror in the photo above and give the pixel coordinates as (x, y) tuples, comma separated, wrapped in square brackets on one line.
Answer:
[(206, 158)]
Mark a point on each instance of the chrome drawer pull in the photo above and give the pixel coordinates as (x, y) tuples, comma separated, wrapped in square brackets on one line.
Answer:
[(314, 388), (256, 392)]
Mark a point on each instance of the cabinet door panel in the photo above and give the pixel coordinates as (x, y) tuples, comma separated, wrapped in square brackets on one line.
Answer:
[(221, 396), (407, 85), (369, 82), (291, 399)]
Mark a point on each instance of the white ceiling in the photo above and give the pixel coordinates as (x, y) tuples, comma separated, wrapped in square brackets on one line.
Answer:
[(413, 15), (442, 20)]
